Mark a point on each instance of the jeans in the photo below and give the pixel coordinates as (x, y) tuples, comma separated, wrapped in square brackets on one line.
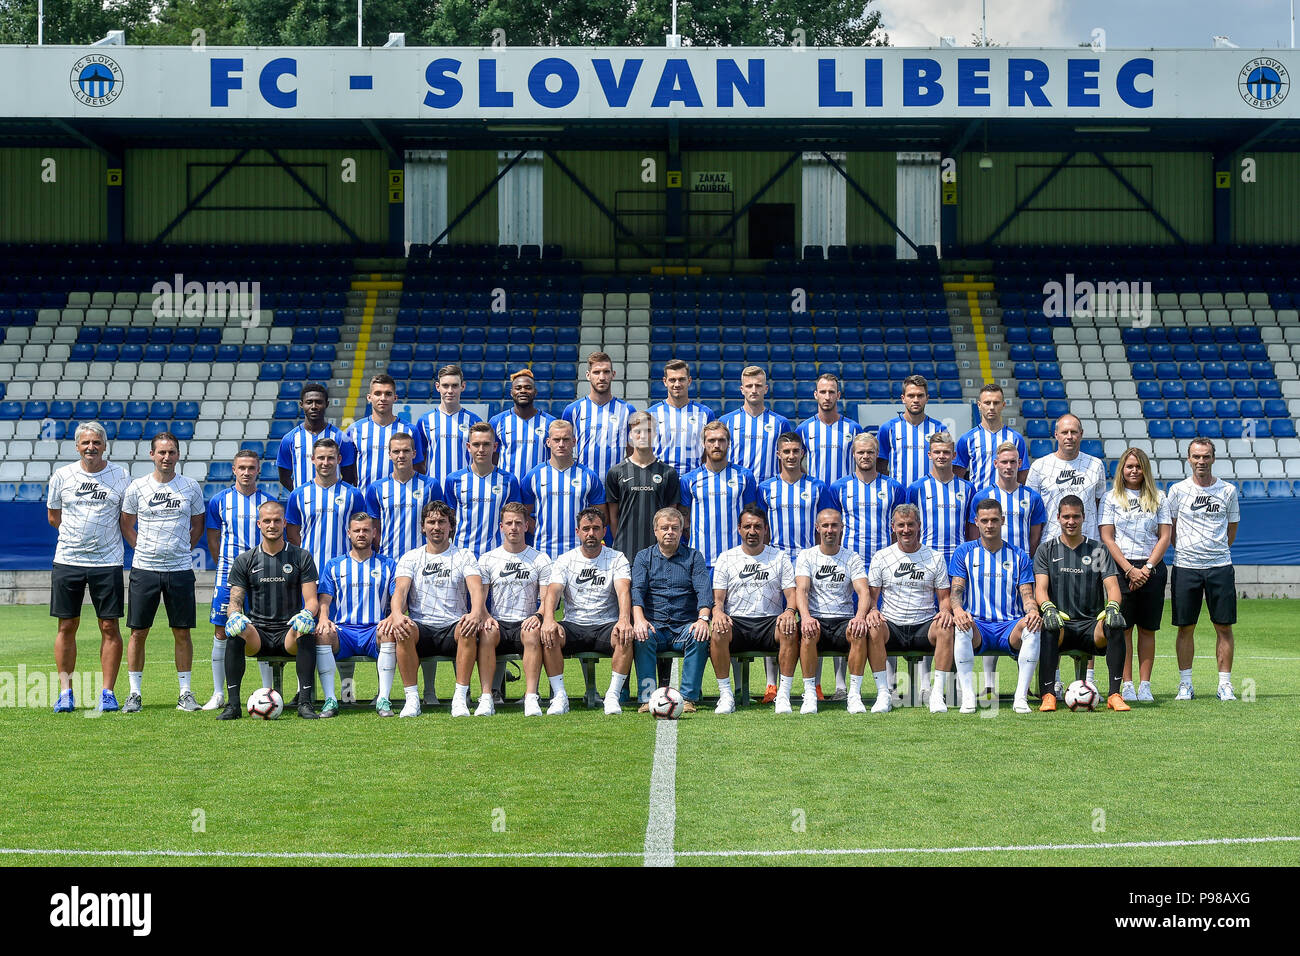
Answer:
[(678, 638)]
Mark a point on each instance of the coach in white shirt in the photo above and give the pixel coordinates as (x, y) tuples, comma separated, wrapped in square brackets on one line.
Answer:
[(1205, 512), (167, 509), (1068, 471), (84, 504)]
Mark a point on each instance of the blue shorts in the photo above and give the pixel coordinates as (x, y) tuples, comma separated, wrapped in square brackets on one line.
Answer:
[(357, 640), (220, 598), (995, 637)]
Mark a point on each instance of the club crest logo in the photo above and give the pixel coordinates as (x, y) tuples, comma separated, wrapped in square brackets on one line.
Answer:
[(1263, 83), (96, 80), (286, 569)]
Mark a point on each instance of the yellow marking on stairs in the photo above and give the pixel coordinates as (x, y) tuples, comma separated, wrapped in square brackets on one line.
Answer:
[(356, 388), (972, 290)]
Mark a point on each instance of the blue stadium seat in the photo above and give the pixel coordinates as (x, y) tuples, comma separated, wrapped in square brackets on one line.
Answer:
[(29, 491), (61, 410), (1202, 408), (1245, 389), (1257, 489), (1228, 428), (1158, 428), (1154, 409), (1057, 407), (271, 372), (1041, 447), (1184, 429), (86, 411), (1283, 428), (280, 429), (296, 371), (1038, 428), (36, 411), (187, 411), (1179, 408), (8, 491), (1227, 408), (1280, 488), (161, 411), (184, 431), (11, 411)]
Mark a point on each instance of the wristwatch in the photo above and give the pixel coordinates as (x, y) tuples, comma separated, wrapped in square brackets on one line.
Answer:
[(1149, 566)]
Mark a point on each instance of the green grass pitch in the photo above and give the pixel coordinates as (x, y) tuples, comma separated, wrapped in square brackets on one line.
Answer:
[(751, 783)]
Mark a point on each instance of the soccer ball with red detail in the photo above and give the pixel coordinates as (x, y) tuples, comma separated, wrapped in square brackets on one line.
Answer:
[(266, 703), (666, 703), (1081, 696)]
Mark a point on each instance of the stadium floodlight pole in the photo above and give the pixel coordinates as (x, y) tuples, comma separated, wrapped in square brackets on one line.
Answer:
[(359, 22), (984, 23), (40, 24)]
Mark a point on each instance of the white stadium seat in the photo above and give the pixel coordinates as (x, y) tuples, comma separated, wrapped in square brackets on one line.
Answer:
[(615, 318), (218, 391), (28, 430), (1288, 447), (637, 392), (43, 391), (11, 353), (236, 412), (616, 300), (224, 450), (7, 430), (592, 318), (18, 392), (638, 336), (1189, 300), (258, 430), (1165, 448), (46, 451), (615, 352), (143, 391), (1212, 300), (1109, 428), (205, 431), (197, 470), (246, 372), (20, 450), (168, 392), (281, 336), (1291, 466), (590, 336), (638, 353), (93, 391), (638, 317), (615, 335), (242, 391), (1247, 469), (37, 471), (199, 450), (1272, 468), (593, 300), (11, 471), (68, 389), (637, 371), (27, 371), (268, 392)]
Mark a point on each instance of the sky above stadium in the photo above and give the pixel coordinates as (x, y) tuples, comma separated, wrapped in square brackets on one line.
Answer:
[(1128, 23)]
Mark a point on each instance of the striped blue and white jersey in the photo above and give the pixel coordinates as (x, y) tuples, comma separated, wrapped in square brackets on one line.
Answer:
[(359, 590), (322, 514), (371, 441), (556, 497), (753, 440), (600, 433), (523, 441), (677, 434), (903, 446), (830, 448), (478, 502), (715, 500), (295, 452), (977, 452), (442, 441), (792, 511), (397, 506), (943, 512), (235, 516), (993, 579), (1021, 510), (868, 509)]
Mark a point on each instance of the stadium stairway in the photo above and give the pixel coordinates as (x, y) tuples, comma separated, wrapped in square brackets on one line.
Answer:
[(978, 335)]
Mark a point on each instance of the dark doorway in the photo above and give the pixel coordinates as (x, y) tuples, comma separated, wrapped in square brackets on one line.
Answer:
[(771, 224)]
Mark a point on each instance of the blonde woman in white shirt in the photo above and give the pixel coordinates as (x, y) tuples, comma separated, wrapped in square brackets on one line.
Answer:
[(1135, 527)]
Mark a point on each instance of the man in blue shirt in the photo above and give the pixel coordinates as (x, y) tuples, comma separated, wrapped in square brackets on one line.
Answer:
[(672, 601)]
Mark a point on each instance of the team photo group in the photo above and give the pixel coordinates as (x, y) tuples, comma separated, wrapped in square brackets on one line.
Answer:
[(625, 533)]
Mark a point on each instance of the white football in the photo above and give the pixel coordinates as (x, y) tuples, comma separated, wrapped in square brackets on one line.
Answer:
[(666, 703), (1081, 696), (266, 703)]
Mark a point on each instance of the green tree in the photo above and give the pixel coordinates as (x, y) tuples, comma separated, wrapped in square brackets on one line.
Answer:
[(220, 21), (71, 21)]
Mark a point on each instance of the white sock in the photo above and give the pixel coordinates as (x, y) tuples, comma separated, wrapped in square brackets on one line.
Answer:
[(770, 670), (841, 669), (136, 678), (1057, 678), (430, 670), (1090, 676), (963, 652), (922, 673), (184, 678), (1225, 677), (990, 670), (882, 682), (557, 686), (724, 687), (891, 671), (616, 682), (939, 684), (1145, 683), (325, 667), (1184, 676), (462, 692), (412, 692), (855, 685), (268, 675), (387, 668), (786, 685), (219, 667), (1027, 662)]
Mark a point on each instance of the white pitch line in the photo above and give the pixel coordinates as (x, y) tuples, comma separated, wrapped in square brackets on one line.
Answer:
[(661, 821), (617, 855)]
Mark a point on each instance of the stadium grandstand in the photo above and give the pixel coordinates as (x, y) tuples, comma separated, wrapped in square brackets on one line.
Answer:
[(873, 232)]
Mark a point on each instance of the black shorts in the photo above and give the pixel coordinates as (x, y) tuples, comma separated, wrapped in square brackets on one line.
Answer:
[(597, 639), (271, 637), (435, 641), (68, 584), (176, 588), (1078, 635), (512, 641), (834, 638), (1146, 606), (754, 634), (1218, 587), (909, 637)]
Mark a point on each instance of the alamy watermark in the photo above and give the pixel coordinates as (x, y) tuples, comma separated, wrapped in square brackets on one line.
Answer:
[(194, 299), (20, 687), (1120, 300)]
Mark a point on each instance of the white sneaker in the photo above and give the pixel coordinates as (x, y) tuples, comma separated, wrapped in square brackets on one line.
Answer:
[(809, 705), (1021, 706), (486, 706), (1185, 692), (937, 705), (883, 705), (782, 704), (215, 702), (1127, 692), (612, 705), (459, 706), (559, 705), (412, 708), (1144, 693), (855, 704), (726, 704), (532, 705), (1225, 692)]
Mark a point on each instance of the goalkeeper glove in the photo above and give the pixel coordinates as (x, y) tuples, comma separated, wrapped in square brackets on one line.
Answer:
[(235, 624), (1051, 615), (302, 622), (1110, 615)]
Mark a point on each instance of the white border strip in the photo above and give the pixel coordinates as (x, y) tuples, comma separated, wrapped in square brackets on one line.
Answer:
[(616, 855), (661, 821)]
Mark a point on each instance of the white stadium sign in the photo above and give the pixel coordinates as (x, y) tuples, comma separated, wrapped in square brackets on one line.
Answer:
[(622, 83)]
